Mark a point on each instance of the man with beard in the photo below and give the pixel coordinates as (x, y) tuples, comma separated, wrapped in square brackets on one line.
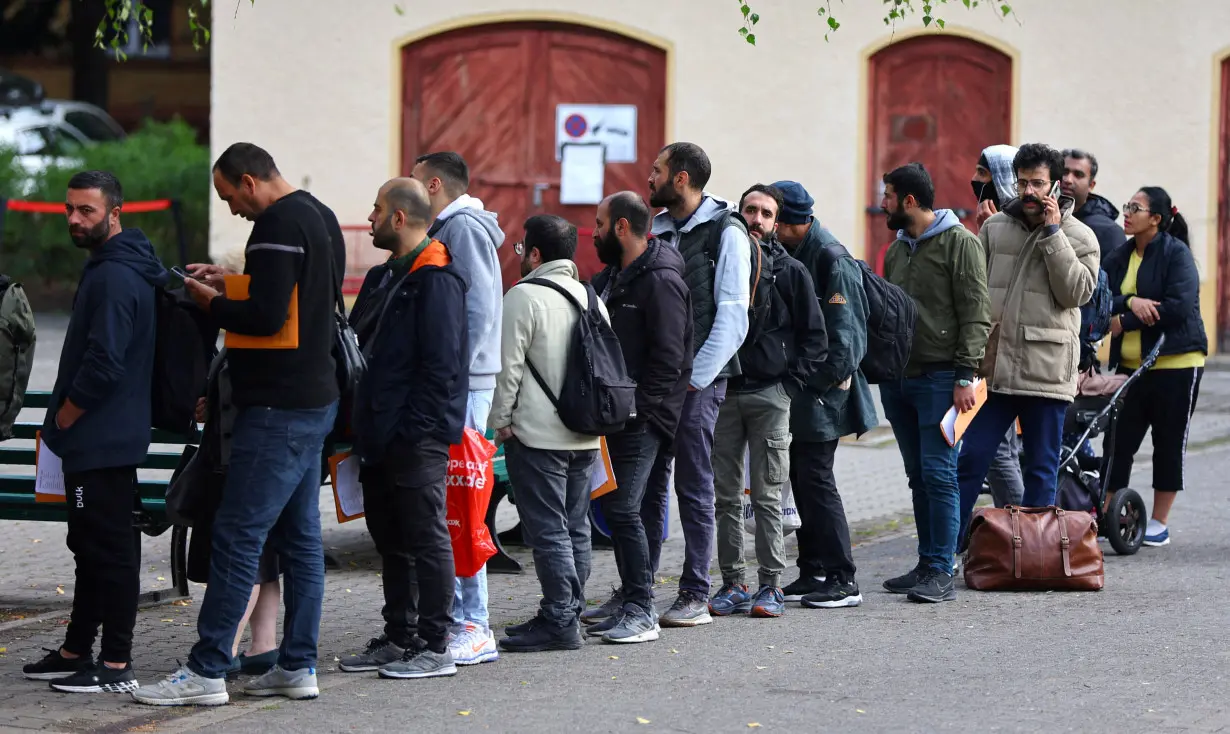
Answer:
[(549, 464), (777, 362), (1042, 266), (409, 409), (1080, 177), (651, 313), (836, 403), (717, 257), (98, 425), (943, 268)]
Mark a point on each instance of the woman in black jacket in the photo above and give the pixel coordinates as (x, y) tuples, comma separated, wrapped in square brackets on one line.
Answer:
[(1156, 291)]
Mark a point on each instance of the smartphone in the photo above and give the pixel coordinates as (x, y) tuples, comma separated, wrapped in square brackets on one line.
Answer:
[(1055, 189), (180, 273)]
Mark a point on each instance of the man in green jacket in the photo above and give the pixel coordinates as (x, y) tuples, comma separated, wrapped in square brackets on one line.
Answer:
[(941, 265), (837, 403)]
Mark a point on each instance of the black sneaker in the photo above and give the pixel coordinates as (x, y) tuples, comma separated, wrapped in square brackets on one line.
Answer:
[(933, 588), (542, 635), (834, 593), (902, 584), (513, 630), (55, 666), (380, 651), (801, 587), (99, 679)]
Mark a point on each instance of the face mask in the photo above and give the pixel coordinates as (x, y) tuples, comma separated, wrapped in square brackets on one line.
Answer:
[(986, 191)]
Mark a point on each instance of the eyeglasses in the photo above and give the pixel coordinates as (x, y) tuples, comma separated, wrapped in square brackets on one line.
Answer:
[(1036, 185), (1132, 207), (519, 248)]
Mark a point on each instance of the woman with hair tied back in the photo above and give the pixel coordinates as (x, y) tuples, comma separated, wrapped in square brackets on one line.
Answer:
[(1157, 292)]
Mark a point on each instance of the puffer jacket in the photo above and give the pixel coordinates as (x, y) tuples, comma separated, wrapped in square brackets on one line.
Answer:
[(1038, 278)]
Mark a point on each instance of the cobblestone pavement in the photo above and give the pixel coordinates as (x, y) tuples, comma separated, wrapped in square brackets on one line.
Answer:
[(1149, 650)]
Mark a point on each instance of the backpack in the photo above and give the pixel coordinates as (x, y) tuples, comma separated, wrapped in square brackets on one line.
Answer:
[(891, 314), (16, 352), (764, 273), (1095, 314), (597, 397), (184, 346)]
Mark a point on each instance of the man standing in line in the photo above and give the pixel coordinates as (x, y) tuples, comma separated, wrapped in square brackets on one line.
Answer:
[(1080, 176), (409, 409), (943, 268), (549, 464), (777, 362), (98, 425), (836, 403), (651, 313), (1042, 265), (287, 400), (717, 268), (472, 236)]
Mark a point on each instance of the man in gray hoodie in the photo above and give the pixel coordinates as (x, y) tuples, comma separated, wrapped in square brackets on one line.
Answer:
[(473, 237)]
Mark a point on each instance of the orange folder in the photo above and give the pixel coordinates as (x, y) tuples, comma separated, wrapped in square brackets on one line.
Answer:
[(286, 338), (955, 423)]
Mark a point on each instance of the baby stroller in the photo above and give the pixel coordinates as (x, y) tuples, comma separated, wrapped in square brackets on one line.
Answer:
[(1082, 475)]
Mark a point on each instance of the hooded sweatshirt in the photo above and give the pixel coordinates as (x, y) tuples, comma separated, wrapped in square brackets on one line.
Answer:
[(107, 362), (731, 289), (1102, 217), (998, 160), (473, 236)]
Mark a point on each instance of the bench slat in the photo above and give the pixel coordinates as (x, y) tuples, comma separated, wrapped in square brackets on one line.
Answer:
[(16, 484), (27, 430), (25, 457)]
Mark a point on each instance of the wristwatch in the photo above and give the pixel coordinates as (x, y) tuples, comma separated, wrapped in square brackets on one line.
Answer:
[(964, 383)]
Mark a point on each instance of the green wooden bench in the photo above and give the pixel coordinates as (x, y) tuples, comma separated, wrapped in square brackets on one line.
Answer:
[(17, 497)]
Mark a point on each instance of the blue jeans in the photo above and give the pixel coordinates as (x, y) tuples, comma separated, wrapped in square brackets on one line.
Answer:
[(1041, 436), (470, 594), (272, 492), (915, 406)]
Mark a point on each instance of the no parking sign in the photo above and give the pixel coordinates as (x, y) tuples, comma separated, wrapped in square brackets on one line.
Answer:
[(613, 125)]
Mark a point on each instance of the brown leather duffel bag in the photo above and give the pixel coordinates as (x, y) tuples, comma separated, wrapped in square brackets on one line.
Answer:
[(1033, 549)]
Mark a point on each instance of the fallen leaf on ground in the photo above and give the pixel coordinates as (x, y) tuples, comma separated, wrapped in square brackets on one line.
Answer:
[(642, 720), (36, 540), (463, 713), (181, 602), (674, 651), (612, 657), (160, 579), (3, 650), (753, 725), (347, 591), (168, 620), (761, 667), (59, 589), (859, 711), (771, 647)]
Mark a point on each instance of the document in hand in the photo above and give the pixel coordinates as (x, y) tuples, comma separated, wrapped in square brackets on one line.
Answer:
[(955, 422), (286, 338)]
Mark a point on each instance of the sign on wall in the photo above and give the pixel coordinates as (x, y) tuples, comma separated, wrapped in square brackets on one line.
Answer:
[(613, 125)]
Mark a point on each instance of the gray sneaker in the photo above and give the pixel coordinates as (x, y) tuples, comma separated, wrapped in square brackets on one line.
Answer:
[(379, 651), (423, 663), (608, 608), (294, 684), (184, 688), (606, 625), (635, 625), (689, 610)]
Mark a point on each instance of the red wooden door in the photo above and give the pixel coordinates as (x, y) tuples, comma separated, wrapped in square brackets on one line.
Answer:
[(1223, 216), (490, 93), (938, 100)]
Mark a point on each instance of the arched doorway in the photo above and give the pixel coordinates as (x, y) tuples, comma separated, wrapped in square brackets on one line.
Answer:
[(490, 92), (938, 100)]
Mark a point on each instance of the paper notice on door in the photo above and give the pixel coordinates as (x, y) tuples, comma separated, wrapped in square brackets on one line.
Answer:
[(347, 492), (48, 473), (582, 173)]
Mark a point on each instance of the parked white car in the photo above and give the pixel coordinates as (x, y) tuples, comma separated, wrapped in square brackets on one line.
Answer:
[(52, 132)]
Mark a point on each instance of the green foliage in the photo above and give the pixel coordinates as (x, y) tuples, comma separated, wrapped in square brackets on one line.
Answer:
[(895, 11), (119, 11), (160, 161)]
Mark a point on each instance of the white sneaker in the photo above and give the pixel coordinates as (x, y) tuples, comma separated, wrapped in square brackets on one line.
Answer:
[(473, 645), (184, 688)]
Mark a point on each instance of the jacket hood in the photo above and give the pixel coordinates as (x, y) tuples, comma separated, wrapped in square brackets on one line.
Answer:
[(558, 268), (485, 219), (998, 160), (711, 207), (1096, 204), (945, 220), (132, 248)]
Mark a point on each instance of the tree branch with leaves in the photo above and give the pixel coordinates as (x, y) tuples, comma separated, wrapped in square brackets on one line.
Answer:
[(897, 12)]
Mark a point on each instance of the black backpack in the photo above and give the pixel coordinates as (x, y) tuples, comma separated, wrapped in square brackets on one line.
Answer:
[(597, 397), (184, 345), (891, 314)]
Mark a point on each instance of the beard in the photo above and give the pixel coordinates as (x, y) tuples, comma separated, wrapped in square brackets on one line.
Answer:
[(898, 219), (664, 197), (384, 238), (526, 266), (90, 238), (1029, 199), (755, 231), (610, 251)]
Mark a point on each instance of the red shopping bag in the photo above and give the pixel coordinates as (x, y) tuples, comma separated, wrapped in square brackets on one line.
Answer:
[(469, 483)]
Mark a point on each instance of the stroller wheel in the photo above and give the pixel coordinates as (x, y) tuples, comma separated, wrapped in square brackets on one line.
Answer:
[(1125, 522)]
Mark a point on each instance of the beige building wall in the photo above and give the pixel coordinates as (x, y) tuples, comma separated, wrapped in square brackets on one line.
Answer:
[(1135, 81)]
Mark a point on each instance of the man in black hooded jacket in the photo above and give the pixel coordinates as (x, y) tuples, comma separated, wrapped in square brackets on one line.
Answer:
[(1080, 173)]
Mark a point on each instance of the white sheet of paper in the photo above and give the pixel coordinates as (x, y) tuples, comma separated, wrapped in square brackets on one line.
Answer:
[(349, 491), (49, 475), (582, 174), (598, 476)]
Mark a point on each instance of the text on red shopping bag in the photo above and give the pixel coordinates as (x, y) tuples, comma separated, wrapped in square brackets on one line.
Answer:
[(469, 482)]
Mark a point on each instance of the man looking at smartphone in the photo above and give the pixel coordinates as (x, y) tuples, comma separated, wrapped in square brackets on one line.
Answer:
[(1042, 266)]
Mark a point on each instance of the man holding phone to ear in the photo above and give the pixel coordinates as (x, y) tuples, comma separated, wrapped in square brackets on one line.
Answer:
[(1042, 266)]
